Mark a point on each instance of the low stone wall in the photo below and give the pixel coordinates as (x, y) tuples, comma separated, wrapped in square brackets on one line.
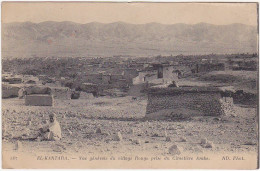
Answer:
[(13, 80), (84, 95), (243, 98), (9, 91), (33, 89), (37, 90), (63, 93), (188, 101), (38, 100), (90, 88)]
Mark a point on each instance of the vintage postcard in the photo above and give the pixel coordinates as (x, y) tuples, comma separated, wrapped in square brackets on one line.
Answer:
[(136, 85)]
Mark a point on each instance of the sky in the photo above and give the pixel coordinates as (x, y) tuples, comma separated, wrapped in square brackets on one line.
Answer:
[(135, 13)]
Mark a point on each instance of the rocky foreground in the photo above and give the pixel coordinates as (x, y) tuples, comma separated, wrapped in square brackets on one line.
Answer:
[(116, 126)]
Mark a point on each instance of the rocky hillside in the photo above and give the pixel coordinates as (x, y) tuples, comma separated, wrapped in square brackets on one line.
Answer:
[(28, 39)]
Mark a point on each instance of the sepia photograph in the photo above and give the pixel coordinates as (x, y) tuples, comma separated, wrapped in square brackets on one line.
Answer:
[(129, 85)]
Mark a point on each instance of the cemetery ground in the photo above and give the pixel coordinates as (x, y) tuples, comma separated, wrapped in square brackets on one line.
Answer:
[(114, 126)]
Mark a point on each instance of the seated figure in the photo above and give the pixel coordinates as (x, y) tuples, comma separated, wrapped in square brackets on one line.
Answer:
[(51, 131)]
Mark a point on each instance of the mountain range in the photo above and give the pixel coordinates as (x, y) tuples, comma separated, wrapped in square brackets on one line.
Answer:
[(69, 39)]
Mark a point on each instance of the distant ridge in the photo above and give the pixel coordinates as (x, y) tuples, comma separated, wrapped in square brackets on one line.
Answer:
[(63, 39)]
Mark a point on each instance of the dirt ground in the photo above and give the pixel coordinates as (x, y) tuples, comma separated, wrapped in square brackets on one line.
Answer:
[(79, 120)]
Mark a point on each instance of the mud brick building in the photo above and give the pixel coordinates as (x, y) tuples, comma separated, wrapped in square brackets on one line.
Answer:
[(208, 67), (189, 101), (129, 74), (156, 73)]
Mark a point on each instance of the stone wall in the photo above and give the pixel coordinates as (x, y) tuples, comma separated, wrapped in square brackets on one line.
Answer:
[(12, 80), (37, 90), (63, 93), (9, 91), (84, 95), (185, 101), (121, 83), (90, 88), (115, 77), (92, 78), (244, 98)]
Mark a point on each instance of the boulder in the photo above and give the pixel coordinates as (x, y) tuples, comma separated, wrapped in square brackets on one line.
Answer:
[(174, 150), (118, 137), (209, 144), (137, 141), (203, 141), (132, 131), (98, 131), (183, 139), (168, 139)]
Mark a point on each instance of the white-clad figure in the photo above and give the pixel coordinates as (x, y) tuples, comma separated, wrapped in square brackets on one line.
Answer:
[(51, 131)]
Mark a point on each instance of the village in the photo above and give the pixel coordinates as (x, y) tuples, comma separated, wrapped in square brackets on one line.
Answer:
[(170, 104)]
